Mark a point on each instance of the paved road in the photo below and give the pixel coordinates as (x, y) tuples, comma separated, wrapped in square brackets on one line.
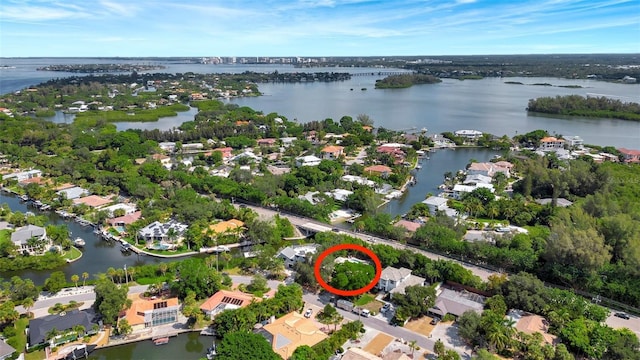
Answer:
[(297, 220)]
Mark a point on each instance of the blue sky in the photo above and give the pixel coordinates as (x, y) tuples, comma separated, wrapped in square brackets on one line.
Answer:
[(316, 27)]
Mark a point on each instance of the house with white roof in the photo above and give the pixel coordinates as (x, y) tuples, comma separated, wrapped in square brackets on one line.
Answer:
[(435, 204), (309, 160), (128, 209), (23, 175), (469, 134), (21, 236), (394, 280), (296, 253), (339, 194), (157, 231), (459, 191), (73, 192), (477, 179), (574, 141), (358, 180)]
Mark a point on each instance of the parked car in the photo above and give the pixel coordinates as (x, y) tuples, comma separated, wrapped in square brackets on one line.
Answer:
[(622, 315), (434, 321), (308, 313), (385, 307), (365, 312)]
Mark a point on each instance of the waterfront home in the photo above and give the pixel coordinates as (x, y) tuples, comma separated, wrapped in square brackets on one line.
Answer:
[(6, 350), (309, 160), (574, 141), (630, 155), (38, 235), (157, 231), (395, 281), (394, 150), (23, 175), (550, 143), (92, 201), (296, 253), (73, 192), (468, 135), (358, 180), (456, 303), (226, 300), (127, 219), (332, 152), (435, 204), (339, 194), (127, 208), (459, 191), (228, 227), (490, 169), (291, 331), (477, 179), (149, 312), (378, 170), (40, 330)]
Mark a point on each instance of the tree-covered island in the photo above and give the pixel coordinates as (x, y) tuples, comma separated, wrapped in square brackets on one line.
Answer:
[(576, 105), (405, 81), (101, 68)]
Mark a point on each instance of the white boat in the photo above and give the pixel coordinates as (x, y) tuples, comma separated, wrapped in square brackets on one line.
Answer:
[(79, 242)]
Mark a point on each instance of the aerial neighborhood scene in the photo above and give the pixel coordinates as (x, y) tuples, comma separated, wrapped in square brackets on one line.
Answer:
[(320, 180)]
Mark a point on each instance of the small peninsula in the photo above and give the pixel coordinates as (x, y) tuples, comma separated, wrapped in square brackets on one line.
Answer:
[(100, 68), (405, 81), (576, 105)]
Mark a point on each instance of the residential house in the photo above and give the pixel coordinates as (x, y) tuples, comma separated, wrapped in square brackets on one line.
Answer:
[(157, 231), (468, 135), (226, 300), (531, 324), (291, 331), (550, 143), (163, 159), (490, 169), (562, 202), (6, 350), (224, 227), (311, 197), (395, 151), (410, 226), (192, 147), (379, 170), (477, 179), (630, 155), (92, 201), (127, 219), (296, 253), (248, 155), (149, 312), (339, 194), (459, 191), (63, 323), (574, 141), (332, 152), (127, 208), (358, 180), (278, 170), (287, 141), (309, 160), (435, 204), (167, 146), (354, 353), (73, 192), (456, 303), (504, 167), (23, 175), (266, 142), (226, 152), (21, 236), (394, 280)]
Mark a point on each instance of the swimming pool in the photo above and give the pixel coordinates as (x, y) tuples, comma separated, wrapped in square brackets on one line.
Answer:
[(159, 246)]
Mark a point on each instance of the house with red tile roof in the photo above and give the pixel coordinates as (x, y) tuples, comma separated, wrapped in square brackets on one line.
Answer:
[(410, 226), (226, 152), (125, 220), (551, 143), (226, 300), (630, 155), (266, 142), (93, 201), (332, 152), (380, 170), (149, 312)]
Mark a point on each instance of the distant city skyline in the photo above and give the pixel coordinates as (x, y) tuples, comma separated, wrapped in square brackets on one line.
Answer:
[(313, 28)]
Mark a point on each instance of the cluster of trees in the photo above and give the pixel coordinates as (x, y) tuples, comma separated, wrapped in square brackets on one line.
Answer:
[(352, 275), (414, 303), (405, 81), (577, 105), (245, 345)]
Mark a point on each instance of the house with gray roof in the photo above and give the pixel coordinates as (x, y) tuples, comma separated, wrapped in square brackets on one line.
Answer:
[(295, 254), (6, 350), (436, 203), (75, 192), (456, 303), (63, 323), (157, 231), (22, 235), (394, 280)]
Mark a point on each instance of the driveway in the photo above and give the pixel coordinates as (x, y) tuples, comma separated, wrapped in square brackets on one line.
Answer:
[(632, 324), (448, 334)]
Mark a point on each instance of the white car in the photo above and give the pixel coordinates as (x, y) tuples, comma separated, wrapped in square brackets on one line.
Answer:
[(308, 313)]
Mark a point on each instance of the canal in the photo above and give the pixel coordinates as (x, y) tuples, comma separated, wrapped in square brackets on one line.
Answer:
[(189, 346), (97, 255)]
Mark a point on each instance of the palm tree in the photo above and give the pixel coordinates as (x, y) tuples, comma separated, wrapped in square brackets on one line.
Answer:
[(413, 345), (27, 304), (163, 268), (111, 272), (75, 278), (497, 337), (85, 276), (51, 334)]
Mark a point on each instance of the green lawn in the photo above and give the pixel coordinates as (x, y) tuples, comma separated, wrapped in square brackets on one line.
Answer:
[(364, 299), (72, 254), (5, 235)]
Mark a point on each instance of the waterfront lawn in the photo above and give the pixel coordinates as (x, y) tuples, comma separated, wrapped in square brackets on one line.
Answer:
[(72, 254)]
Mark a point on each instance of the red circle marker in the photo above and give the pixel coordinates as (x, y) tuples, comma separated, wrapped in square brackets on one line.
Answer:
[(355, 292)]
